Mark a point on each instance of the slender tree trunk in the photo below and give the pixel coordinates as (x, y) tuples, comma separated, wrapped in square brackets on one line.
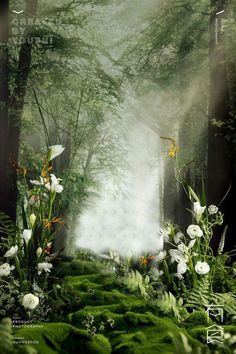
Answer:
[(220, 173), (16, 104), (4, 32)]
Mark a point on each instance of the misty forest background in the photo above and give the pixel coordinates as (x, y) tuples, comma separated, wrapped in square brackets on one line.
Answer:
[(112, 78)]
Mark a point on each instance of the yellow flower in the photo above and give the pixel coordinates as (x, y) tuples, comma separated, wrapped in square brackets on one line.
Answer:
[(173, 148)]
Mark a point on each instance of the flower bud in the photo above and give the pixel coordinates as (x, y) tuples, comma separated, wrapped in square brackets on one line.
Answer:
[(39, 251), (32, 219)]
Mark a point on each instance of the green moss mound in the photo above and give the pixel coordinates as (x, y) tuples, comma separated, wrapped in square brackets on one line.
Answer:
[(105, 318), (54, 338), (198, 318)]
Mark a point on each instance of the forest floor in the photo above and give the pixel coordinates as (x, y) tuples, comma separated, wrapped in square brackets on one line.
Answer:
[(99, 317)]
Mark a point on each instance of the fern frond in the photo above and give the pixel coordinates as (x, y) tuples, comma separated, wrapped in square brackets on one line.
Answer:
[(227, 300), (7, 226), (135, 282), (198, 298), (168, 304)]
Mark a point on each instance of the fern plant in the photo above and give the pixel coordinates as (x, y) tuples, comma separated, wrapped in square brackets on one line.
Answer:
[(198, 297), (135, 282), (169, 304), (7, 226), (227, 301), (201, 297)]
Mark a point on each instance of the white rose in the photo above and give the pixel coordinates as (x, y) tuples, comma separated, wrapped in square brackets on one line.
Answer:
[(202, 268), (5, 270), (194, 231), (54, 151), (182, 268), (30, 301), (27, 234), (12, 251), (212, 209), (44, 266)]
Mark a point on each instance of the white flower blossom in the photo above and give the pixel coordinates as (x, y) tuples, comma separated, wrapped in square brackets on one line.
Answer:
[(191, 243), (177, 256), (35, 182), (178, 237), (181, 268), (54, 151), (198, 210), (178, 275), (185, 249), (44, 266), (39, 251), (32, 219), (12, 251), (160, 256), (164, 233), (5, 269), (30, 301), (27, 234), (55, 185), (194, 231), (202, 267), (212, 209)]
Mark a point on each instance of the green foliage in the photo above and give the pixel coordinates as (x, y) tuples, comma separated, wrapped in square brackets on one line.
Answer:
[(26, 251), (181, 344), (7, 226), (227, 300), (201, 297), (197, 318), (6, 345), (135, 282), (198, 298), (63, 338), (169, 305)]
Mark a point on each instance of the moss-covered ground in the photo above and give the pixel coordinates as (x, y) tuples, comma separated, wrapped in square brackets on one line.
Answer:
[(103, 318)]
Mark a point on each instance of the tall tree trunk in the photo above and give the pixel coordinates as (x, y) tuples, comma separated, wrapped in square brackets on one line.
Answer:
[(220, 173), (16, 104), (4, 32)]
